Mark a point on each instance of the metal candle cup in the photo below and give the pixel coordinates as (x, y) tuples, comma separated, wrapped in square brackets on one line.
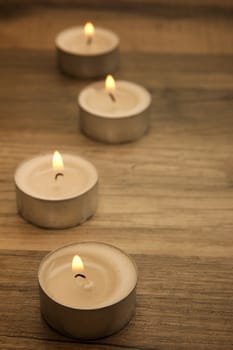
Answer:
[(79, 59), (101, 309), (114, 118), (56, 202)]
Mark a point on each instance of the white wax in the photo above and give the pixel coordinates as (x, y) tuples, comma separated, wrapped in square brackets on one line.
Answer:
[(74, 41), (110, 276), (36, 177), (131, 99)]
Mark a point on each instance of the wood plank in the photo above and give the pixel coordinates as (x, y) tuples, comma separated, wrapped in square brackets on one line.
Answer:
[(124, 3), (171, 191), (181, 303), (161, 27), (168, 201)]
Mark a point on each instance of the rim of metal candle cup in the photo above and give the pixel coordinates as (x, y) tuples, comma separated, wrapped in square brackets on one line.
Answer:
[(37, 209), (130, 295), (86, 65), (115, 129)]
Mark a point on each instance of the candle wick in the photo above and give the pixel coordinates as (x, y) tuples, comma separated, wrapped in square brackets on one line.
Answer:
[(89, 40), (57, 175), (113, 98), (79, 275)]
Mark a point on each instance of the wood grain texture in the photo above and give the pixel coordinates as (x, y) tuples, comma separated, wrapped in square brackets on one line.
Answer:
[(181, 303), (167, 198), (174, 186), (160, 26)]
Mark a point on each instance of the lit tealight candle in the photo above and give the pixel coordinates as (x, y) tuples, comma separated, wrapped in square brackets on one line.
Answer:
[(87, 51), (87, 290), (56, 195), (114, 112)]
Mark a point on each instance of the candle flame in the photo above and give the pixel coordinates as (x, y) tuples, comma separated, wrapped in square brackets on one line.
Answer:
[(77, 264), (89, 30), (57, 161), (110, 84)]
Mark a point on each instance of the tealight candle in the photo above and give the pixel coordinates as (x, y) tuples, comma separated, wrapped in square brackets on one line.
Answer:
[(114, 112), (87, 290), (56, 195), (87, 52)]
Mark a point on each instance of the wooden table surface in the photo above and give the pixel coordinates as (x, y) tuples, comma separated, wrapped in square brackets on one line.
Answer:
[(167, 199)]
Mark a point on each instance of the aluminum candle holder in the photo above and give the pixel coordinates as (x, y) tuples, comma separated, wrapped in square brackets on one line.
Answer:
[(80, 60), (58, 203), (117, 117), (99, 308)]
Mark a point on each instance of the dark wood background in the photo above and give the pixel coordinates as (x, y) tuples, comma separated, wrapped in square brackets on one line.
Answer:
[(167, 199)]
